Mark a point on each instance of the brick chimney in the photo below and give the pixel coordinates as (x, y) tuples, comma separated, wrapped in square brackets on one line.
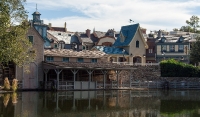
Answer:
[(50, 25), (65, 26), (88, 32)]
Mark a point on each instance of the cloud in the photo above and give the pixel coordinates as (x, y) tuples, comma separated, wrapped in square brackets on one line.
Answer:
[(104, 14)]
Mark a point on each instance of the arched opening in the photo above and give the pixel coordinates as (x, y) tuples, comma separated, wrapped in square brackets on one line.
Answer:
[(137, 59)]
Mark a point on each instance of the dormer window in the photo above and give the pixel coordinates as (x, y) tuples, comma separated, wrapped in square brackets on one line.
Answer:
[(163, 40), (181, 39)]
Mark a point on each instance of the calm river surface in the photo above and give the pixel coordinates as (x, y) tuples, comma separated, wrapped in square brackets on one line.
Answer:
[(114, 103)]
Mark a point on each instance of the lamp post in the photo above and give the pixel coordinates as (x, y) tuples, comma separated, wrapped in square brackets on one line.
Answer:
[(163, 53), (123, 51)]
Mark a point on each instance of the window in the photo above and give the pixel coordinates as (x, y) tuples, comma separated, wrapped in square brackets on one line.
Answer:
[(150, 50), (80, 60), (30, 39), (65, 59), (85, 47), (61, 44), (137, 44), (172, 48), (94, 60), (49, 58), (59, 33), (163, 39), (163, 48), (55, 46), (180, 48)]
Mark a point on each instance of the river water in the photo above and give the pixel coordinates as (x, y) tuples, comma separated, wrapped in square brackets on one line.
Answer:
[(112, 103)]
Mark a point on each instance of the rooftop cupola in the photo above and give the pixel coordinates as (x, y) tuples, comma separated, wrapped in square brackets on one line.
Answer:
[(36, 16)]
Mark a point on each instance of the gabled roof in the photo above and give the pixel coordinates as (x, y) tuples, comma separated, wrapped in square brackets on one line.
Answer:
[(99, 34), (59, 36), (83, 38), (128, 32), (110, 50)]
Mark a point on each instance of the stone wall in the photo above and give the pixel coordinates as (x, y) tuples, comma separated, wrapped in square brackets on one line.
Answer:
[(144, 73)]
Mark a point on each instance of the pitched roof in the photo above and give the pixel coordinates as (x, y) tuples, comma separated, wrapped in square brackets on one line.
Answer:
[(99, 34), (111, 50), (72, 53), (77, 65), (128, 32), (83, 37), (57, 29), (60, 36)]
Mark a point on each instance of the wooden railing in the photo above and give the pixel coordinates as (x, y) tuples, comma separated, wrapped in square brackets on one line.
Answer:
[(136, 64), (151, 85), (66, 85)]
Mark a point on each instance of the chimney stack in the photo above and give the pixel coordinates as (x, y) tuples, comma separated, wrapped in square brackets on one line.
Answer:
[(49, 25), (65, 26), (159, 34), (88, 32)]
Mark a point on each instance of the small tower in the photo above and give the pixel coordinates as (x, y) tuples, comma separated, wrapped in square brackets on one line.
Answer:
[(36, 16)]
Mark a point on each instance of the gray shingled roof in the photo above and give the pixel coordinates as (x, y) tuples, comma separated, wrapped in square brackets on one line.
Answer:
[(72, 53), (100, 65)]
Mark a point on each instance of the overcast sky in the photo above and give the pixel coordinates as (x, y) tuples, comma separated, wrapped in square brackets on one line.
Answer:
[(108, 14)]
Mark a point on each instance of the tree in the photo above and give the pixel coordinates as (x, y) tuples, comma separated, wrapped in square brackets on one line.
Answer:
[(193, 22), (175, 29), (195, 51), (186, 29), (14, 45)]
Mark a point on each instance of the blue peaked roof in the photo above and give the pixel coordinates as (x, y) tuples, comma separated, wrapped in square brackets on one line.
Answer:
[(128, 32), (111, 50)]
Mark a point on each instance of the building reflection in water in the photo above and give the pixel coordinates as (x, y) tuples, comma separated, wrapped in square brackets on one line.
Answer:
[(115, 103)]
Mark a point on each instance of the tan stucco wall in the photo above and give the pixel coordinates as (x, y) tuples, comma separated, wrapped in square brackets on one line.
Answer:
[(29, 80), (137, 51), (106, 39)]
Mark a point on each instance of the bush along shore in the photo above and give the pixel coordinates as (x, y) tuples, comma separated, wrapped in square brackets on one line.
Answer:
[(7, 87), (174, 68)]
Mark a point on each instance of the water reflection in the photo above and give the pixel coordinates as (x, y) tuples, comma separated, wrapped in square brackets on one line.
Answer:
[(150, 103)]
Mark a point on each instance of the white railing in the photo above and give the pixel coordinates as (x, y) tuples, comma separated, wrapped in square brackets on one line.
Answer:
[(136, 64)]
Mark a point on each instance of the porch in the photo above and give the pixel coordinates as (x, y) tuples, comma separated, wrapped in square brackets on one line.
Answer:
[(82, 76)]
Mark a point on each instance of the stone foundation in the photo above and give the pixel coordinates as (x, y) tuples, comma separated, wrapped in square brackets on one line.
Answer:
[(144, 73)]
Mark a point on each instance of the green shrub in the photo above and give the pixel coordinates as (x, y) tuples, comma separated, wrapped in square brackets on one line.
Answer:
[(174, 68)]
